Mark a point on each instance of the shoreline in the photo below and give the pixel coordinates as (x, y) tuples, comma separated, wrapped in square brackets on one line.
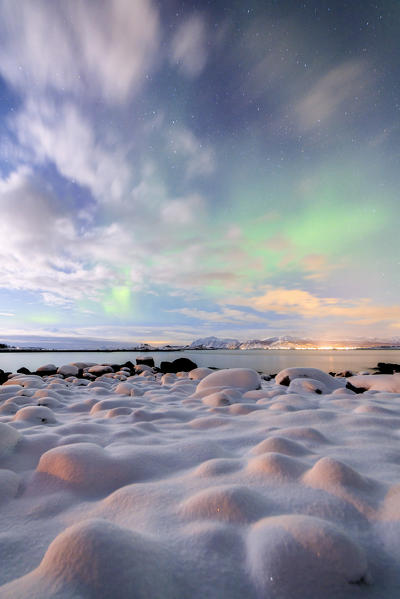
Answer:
[(199, 479)]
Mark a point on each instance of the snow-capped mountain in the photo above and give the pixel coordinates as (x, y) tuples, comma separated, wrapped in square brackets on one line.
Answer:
[(215, 343), (282, 342)]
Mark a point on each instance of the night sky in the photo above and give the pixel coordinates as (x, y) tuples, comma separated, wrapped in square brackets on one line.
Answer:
[(170, 170)]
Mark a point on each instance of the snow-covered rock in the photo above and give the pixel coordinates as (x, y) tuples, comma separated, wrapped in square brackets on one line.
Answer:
[(244, 379), (47, 369), (378, 382), (68, 370), (286, 376)]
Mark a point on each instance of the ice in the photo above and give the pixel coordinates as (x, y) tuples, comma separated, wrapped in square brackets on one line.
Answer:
[(208, 484)]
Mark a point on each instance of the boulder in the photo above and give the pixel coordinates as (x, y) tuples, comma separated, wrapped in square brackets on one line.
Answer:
[(146, 361), (181, 364), (3, 376), (68, 370), (46, 369), (129, 365), (388, 368), (23, 370), (99, 369), (244, 379)]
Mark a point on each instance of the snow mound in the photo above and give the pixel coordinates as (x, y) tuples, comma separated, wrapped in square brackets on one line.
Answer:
[(286, 376), (9, 484), (277, 465), (98, 559), (228, 503), (379, 382), (123, 389), (217, 467), (279, 445), (244, 379), (307, 386), (197, 374), (328, 473), (303, 556), (9, 438), (36, 414), (85, 467)]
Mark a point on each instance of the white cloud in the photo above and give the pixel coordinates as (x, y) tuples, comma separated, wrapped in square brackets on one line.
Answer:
[(341, 85), (226, 315), (182, 211), (189, 46), (43, 248), (101, 48), (199, 158), (63, 136)]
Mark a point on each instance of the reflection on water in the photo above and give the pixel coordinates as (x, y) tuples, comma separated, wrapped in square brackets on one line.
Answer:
[(268, 361)]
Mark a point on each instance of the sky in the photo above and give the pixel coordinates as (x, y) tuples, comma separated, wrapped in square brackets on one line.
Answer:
[(171, 170)]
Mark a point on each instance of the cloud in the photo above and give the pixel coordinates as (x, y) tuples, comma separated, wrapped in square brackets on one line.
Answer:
[(189, 46), (6, 314), (305, 304), (225, 315), (61, 135), (43, 250), (182, 211), (199, 158), (342, 84), (102, 49)]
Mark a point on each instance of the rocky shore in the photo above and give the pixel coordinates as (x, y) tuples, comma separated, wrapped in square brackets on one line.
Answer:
[(181, 481)]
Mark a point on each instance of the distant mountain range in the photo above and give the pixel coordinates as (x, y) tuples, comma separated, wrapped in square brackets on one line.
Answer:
[(290, 342), (212, 342)]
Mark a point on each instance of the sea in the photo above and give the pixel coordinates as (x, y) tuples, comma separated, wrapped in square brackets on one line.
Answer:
[(265, 361)]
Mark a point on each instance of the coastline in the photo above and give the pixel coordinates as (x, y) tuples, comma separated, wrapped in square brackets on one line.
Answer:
[(199, 479)]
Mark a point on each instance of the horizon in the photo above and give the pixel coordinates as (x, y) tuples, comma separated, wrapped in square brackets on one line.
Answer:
[(73, 344), (171, 172)]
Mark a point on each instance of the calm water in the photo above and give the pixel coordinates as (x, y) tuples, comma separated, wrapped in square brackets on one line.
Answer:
[(268, 361)]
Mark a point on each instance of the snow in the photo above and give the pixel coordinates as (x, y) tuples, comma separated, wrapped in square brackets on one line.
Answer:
[(208, 484), (378, 382)]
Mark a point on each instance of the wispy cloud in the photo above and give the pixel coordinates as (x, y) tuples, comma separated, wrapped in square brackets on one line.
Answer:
[(60, 134), (305, 304), (189, 46), (99, 49), (225, 315), (343, 84)]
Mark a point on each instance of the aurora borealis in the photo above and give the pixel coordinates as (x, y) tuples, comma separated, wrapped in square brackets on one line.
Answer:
[(170, 170)]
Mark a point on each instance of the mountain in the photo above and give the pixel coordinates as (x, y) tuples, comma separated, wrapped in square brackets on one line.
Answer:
[(215, 343), (283, 342)]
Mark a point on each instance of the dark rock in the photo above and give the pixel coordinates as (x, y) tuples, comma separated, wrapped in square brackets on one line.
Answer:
[(332, 373), (285, 381), (3, 376), (23, 370), (184, 365), (355, 389), (145, 361), (388, 368), (46, 370), (116, 367), (179, 365), (129, 365), (345, 374)]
